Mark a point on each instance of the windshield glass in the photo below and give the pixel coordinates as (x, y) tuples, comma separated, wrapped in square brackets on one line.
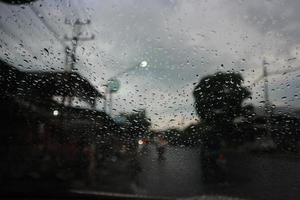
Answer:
[(160, 98)]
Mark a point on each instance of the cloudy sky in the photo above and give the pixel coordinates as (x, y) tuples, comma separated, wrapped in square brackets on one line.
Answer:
[(181, 41)]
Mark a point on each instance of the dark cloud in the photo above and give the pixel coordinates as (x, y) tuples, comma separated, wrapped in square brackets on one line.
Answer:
[(181, 40)]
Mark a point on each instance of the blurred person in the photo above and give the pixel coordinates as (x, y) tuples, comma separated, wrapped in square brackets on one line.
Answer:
[(161, 147)]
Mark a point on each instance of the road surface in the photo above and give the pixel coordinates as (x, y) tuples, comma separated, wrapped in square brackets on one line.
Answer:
[(263, 176)]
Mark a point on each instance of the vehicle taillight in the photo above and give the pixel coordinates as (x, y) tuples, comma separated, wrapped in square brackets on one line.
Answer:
[(221, 157)]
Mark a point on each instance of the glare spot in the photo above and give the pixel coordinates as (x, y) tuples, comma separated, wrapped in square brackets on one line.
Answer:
[(143, 64), (140, 142), (55, 112)]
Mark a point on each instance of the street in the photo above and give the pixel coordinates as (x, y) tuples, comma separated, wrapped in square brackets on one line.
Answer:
[(261, 176)]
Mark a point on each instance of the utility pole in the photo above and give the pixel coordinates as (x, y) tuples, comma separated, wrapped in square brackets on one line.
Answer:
[(268, 112), (70, 52), (266, 88), (267, 107), (70, 65), (74, 39)]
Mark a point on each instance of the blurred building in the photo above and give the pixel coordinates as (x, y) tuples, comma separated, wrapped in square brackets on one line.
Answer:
[(38, 118)]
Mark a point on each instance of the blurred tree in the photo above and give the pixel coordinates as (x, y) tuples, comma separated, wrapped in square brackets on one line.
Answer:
[(174, 136), (219, 103), (136, 125), (219, 98), (138, 122)]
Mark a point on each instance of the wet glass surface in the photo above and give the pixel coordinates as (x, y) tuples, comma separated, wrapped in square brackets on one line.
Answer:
[(160, 98)]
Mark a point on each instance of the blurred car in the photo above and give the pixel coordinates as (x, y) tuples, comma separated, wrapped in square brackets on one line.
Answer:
[(263, 144)]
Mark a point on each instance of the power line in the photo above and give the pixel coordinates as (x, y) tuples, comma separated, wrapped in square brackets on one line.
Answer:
[(70, 52), (45, 23), (273, 73), (285, 71), (17, 40)]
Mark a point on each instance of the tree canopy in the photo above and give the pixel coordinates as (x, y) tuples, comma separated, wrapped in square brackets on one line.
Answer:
[(219, 97)]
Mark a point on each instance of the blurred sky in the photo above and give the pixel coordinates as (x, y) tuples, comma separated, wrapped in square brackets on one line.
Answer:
[(182, 41)]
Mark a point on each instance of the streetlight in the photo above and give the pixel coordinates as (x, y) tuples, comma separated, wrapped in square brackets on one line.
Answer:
[(55, 112), (143, 64), (113, 84)]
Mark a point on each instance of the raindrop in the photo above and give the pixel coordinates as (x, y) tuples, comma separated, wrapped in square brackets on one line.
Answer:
[(46, 51)]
